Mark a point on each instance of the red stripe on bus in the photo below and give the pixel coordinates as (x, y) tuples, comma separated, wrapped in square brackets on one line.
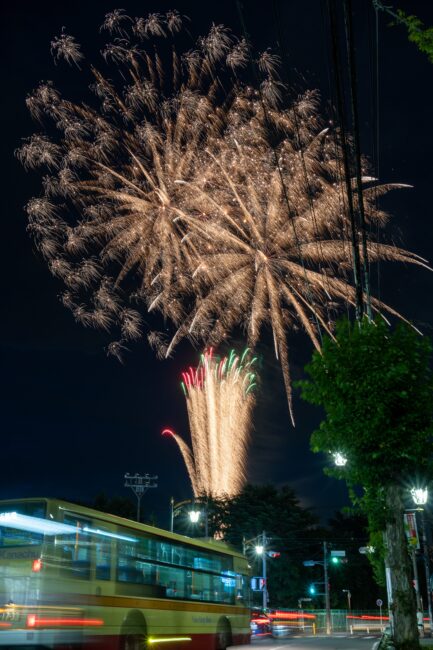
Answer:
[(197, 642)]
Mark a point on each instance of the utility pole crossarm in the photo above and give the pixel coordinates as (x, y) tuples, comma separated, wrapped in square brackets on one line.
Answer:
[(139, 484)]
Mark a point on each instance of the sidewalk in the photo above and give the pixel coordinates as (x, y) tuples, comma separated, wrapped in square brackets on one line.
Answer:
[(428, 643)]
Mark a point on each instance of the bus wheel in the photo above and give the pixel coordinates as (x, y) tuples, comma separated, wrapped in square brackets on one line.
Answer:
[(223, 635), (134, 633), (134, 642)]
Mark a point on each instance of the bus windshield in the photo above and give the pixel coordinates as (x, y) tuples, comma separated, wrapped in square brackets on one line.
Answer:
[(11, 536)]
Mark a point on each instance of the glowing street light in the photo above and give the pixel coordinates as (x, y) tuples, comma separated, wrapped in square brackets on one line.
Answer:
[(419, 496), (194, 516), (259, 550), (339, 459)]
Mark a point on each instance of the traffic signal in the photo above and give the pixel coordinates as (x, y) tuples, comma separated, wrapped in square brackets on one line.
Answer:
[(312, 590), (338, 557)]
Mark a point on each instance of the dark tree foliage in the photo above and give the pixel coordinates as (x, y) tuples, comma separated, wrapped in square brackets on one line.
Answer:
[(349, 532), (120, 506), (417, 33), (376, 387), (292, 529)]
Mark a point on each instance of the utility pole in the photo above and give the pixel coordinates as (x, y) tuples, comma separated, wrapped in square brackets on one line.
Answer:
[(388, 577), (335, 555), (265, 585), (260, 542), (171, 514), (427, 570), (327, 599), (419, 605), (139, 485), (206, 518)]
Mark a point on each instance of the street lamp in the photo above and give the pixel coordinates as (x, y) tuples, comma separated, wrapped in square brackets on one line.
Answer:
[(349, 597), (339, 459), (420, 498), (194, 516), (191, 511), (260, 547)]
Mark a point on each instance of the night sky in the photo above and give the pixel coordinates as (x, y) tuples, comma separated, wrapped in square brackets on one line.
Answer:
[(74, 421)]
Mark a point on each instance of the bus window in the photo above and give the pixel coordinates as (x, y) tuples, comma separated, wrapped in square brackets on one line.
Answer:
[(103, 560), (10, 536), (29, 508), (201, 586), (187, 556), (242, 590), (75, 548), (173, 581), (131, 567)]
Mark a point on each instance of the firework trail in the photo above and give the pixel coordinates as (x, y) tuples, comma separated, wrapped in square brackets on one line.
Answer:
[(180, 188), (220, 398)]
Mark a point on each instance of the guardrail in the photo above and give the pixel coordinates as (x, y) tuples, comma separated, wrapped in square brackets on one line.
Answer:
[(367, 626), (314, 620)]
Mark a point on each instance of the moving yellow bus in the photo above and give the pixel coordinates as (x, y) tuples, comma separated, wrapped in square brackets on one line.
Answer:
[(72, 577)]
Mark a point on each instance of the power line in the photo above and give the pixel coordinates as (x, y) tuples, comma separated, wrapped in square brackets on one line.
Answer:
[(332, 13), (347, 7), (337, 151)]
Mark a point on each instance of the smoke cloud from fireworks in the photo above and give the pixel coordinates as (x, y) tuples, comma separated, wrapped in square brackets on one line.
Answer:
[(220, 398)]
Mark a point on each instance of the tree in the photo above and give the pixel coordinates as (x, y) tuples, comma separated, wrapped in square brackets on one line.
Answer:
[(350, 532), (417, 33), (290, 527), (376, 388), (117, 505)]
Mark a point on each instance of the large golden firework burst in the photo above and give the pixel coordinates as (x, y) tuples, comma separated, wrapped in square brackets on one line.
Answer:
[(179, 188)]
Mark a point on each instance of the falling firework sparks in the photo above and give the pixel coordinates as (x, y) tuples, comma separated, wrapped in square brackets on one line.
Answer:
[(202, 199), (220, 398)]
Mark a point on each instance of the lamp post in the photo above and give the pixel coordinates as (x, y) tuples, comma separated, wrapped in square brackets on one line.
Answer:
[(260, 548), (420, 498), (171, 514), (349, 598)]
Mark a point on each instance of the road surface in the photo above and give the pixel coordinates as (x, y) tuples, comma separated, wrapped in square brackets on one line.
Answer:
[(340, 642)]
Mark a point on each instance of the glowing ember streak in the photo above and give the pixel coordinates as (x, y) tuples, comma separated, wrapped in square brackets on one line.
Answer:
[(220, 398), (185, 190)]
